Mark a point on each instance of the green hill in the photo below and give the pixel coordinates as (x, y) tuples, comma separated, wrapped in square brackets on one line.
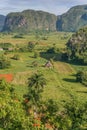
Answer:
[(74, 19), (77, 46), (30, 20)]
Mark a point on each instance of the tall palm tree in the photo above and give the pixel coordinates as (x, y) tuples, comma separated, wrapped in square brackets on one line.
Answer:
[(37, 82)]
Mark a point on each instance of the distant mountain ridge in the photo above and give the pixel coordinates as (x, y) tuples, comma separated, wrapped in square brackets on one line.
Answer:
[(73, 19), (2, 19), (31, 20)]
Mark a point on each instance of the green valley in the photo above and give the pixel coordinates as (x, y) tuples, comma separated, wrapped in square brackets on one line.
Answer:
[(29, 55)]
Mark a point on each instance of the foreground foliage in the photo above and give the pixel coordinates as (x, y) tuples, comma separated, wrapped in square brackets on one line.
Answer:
[(38, 114), (81, 77), (47, 102), (77, 47)]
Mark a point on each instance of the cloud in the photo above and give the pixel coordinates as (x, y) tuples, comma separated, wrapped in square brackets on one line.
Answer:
[(53, 6)]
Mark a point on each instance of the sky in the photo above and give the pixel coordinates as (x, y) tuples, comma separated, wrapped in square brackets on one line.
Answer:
[(53, 6)]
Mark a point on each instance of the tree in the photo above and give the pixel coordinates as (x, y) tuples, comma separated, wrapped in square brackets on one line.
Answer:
[(31, 46), (49, 112), (36, 54), (6, 46), (12, 114), (16, 57), (81, 77), (37, 81), (9, 107), (76, 115), (4, 62)]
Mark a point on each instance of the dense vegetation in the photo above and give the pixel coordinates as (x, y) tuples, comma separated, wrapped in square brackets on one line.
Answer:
[(73, 19), (4, 62), (36, 114), (30, 20), (43, 74), (77, 47), (81, 77), (44, 92)]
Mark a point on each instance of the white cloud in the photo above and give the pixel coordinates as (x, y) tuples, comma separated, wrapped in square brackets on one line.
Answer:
[(53, 6)]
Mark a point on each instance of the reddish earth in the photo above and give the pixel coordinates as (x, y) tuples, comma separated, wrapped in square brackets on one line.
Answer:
[(7, 77)]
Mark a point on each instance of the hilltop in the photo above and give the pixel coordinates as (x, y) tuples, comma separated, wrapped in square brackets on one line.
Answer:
[(73, 19), (30, 20)]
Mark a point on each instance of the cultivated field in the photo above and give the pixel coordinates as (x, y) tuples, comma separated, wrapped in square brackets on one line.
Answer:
[(61, 81)]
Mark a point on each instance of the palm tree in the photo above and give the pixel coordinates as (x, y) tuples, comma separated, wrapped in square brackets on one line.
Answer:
[(37, 82)]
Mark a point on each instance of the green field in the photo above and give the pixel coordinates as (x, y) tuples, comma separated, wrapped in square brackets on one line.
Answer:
[(40, 97), (61, 82)]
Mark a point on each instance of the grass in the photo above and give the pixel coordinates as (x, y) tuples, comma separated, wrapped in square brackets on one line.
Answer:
[(61, 83)]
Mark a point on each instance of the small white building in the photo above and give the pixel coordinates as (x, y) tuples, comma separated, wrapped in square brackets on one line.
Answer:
[(1, 49)]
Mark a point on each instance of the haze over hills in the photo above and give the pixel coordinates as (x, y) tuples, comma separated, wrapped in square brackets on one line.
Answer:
[(43, 72), (2, 19), (30, 20), (73, 19)]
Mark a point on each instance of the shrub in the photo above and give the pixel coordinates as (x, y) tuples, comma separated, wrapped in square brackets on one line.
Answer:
[(4, 62), (16, 57), (31, 46), (18, 36), (52, 50), (34, 63), (81, 77), (6, 46), (36, 54)]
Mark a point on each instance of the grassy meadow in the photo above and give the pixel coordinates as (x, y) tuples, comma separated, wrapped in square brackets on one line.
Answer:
[(61, 82)]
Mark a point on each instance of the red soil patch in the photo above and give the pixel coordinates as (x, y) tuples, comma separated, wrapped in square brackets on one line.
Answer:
[(7, 77)]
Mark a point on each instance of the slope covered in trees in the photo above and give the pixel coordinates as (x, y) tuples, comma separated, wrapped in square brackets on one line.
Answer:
[(30, 20), (77, 46), (73, 19), (38, 96)]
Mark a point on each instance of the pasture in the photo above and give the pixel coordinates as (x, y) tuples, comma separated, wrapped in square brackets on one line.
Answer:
[(61, 82)]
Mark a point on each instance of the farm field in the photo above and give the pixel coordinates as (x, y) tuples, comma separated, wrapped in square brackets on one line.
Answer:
[(43, 65), (61, 82), (40, 88)]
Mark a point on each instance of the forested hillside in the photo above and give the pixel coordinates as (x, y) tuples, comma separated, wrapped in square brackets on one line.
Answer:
[(73, 19), (30, 20), (77, 46)]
